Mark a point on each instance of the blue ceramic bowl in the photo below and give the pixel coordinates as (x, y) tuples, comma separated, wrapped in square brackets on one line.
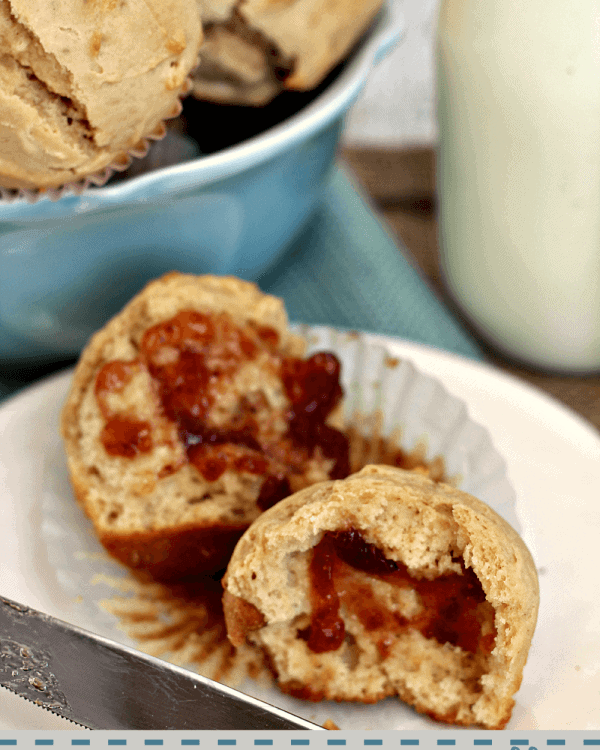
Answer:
[(68, 265)]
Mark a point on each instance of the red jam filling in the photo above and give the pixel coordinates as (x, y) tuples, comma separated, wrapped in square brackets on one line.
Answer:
[(313, 387), (122, 435), (450, 610), (186, 356), (126, 437)]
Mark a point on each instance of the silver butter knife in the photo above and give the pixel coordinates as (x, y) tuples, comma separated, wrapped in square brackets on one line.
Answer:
[(101, 684)]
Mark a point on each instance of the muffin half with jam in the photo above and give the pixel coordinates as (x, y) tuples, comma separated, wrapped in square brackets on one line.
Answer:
[(190, 413), (388, 584)]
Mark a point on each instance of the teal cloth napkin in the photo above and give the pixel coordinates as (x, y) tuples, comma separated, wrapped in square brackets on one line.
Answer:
[(346, 271)]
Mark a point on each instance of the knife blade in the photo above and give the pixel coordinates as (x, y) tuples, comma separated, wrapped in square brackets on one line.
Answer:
[(101, 684)]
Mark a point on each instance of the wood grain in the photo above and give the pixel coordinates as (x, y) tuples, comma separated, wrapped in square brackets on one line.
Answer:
[(402, 185)]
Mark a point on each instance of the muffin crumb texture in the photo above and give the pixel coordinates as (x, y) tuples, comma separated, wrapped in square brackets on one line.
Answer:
[(191, 413), (383, 584)]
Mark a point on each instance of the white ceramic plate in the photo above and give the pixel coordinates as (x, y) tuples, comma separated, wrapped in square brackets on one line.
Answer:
[(553, 462)]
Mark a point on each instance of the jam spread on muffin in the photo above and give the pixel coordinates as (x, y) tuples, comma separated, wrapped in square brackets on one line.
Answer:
[(123, 434), (453, 606), (196, 362)]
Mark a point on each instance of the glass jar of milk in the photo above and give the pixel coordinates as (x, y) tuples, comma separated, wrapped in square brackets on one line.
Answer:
[(518, 175)]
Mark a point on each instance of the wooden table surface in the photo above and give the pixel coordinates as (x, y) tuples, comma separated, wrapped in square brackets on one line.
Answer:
[(401, 185)]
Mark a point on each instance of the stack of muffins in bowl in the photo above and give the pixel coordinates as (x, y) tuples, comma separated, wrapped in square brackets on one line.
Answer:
[(88, 87)]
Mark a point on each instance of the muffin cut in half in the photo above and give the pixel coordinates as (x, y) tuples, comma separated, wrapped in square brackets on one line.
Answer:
[(386, 583), (190, 413)]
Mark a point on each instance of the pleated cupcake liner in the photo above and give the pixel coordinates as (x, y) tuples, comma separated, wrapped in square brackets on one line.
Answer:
[(389, 405)]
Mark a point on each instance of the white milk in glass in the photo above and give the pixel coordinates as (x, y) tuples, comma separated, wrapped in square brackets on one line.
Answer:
[(519, 174)]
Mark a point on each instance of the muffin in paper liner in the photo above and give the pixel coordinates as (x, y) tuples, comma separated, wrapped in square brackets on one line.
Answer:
[(85, 86), (120, 163), (389, 404)]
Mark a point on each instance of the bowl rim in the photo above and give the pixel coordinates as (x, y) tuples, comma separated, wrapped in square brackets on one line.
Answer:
[(383, 33)]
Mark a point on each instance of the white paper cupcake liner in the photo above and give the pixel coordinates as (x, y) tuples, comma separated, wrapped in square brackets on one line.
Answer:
[(391, 398), (385, 398)]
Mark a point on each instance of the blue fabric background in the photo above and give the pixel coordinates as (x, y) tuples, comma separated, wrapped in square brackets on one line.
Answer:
[(346, 271)]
